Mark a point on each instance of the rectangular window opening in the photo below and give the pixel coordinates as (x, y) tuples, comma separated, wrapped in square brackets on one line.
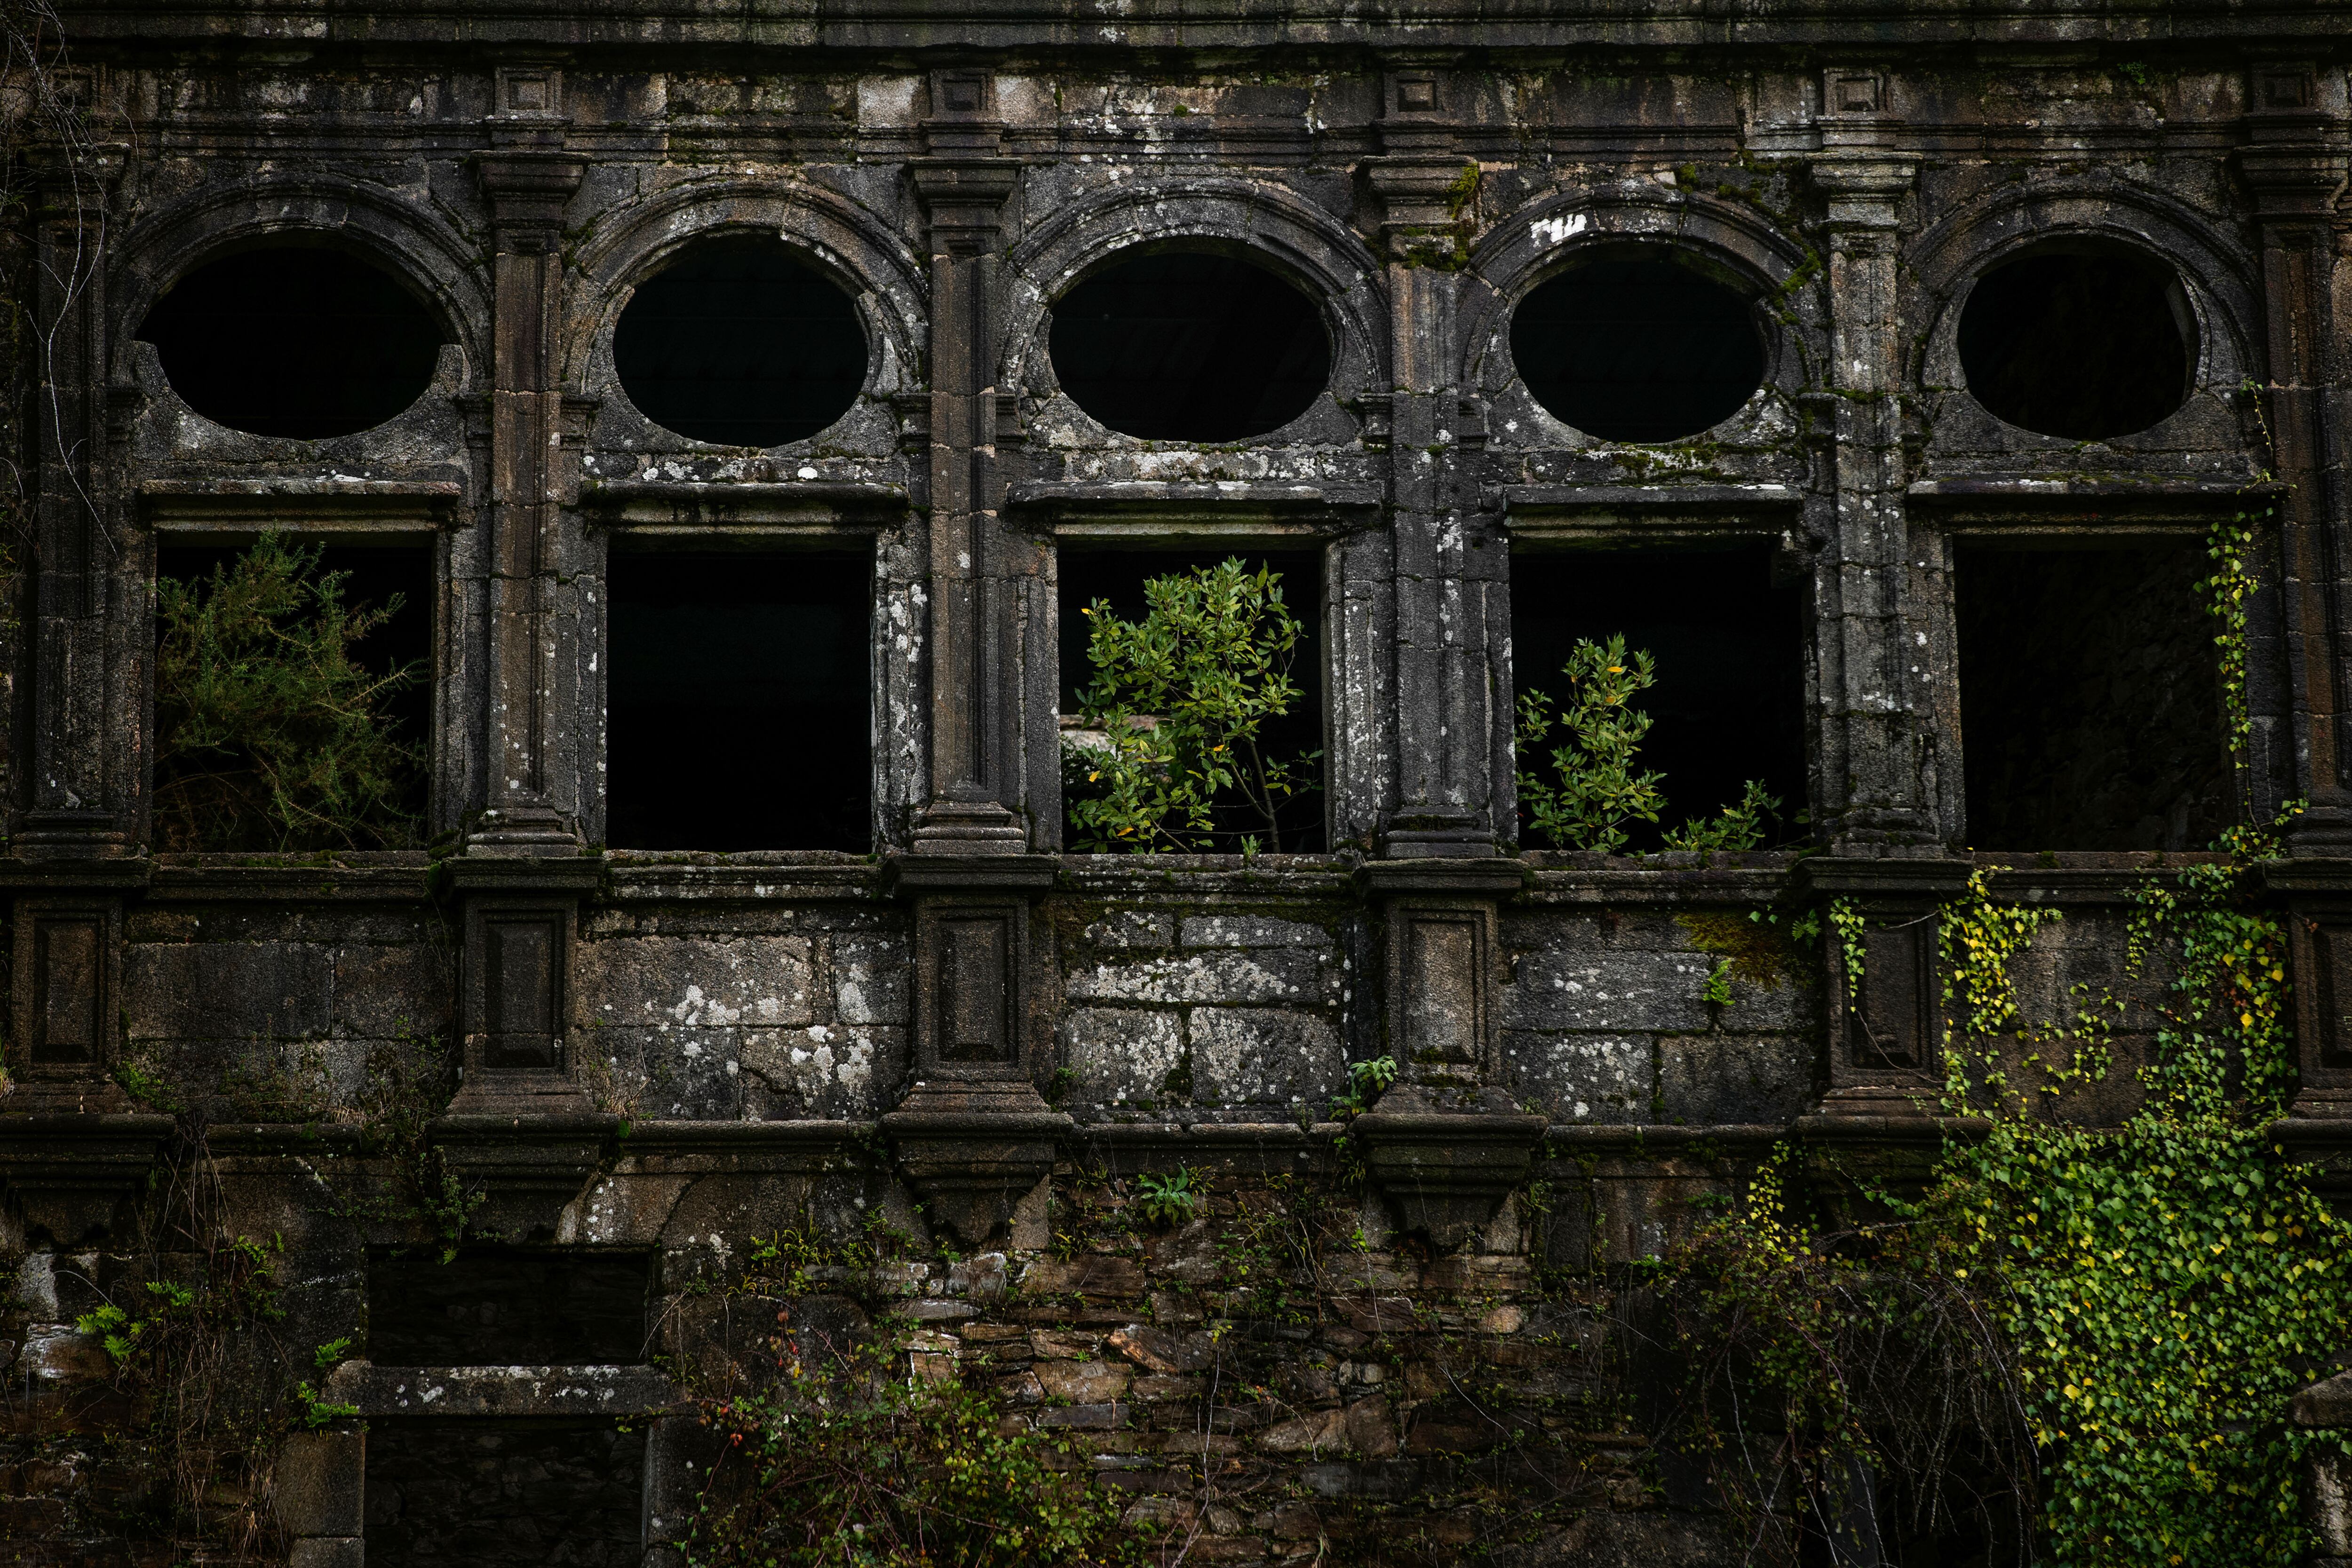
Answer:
[(2090, 699), (1727, 645), (1295, 737), (498, 1308), (487, 1493), (212, 795), (738, 702)]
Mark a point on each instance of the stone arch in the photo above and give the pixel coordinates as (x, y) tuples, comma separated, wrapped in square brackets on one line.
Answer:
[(2216, 276), (842, 241), (1308, 245), (382, 226), (1530, 246)]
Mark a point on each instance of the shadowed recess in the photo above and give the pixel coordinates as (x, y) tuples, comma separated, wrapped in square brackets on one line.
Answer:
[(2090, 701), (294, 341), (479, 1494), (738, 708), (508, 1308), (1638, 347), (2084, 345), (373, 576), (1188, 346), (1119, 576), (1730, 646), (740, 342)]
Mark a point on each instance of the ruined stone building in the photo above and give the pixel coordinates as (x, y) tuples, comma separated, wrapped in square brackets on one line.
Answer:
[(744, 400)]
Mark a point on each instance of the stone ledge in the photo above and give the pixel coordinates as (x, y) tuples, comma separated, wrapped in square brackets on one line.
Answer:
[(635, 876), (440, 1391), (717, 1148)]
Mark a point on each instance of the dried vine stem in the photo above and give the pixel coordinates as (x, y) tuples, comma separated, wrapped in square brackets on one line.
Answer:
[(48, 157)]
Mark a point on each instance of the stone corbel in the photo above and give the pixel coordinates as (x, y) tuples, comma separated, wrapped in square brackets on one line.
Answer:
[(974, 1135), (1444, 1145)]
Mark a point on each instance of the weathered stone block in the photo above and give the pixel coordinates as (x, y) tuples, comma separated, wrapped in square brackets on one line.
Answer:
[(1093, 1275), (1734, 1078), (1582, 1077), (1250, 931), (227, 991), (672, 983), (828, 1070), (1161, 1351), (1228, 976), (1129, 928), (871, 976), (1120, 1055), (1264, 1055), (1618, 990), (317, 1483), (380, 991), (1082, 1381)]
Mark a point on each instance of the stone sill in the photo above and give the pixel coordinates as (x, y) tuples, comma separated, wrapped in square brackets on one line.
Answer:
[(442, 1391)]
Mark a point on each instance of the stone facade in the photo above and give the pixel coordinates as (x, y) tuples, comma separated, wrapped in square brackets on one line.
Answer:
[(670, 1055)]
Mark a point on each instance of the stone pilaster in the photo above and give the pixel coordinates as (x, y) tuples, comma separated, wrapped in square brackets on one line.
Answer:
[(526, 177), (82, 781), (982, 576), (2293, 162), (974, 1135), (1444, 1144), (1873, 738), (1447, 603)]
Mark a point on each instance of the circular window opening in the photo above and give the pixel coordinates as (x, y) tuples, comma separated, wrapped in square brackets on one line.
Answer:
[(1638, 347), (2082, 344), (738, 341), (294, 341), (1190, 346)]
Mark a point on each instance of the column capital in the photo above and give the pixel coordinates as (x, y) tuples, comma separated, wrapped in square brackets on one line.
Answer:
[(1863, 188), (528, 187)]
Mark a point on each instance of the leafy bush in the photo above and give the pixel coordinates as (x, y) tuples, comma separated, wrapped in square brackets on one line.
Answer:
[(1180, 697), (2108, 1321), (269, 734), (1596, 786), (841, 1458)]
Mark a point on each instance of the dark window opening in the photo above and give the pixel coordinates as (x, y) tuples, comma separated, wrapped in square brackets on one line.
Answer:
[(2090, 700), (214, 798), (1118, 577), (740, 342), (1188, 346), (1638, 347), (2084, 345), (739, 703), (1727, 642), (508, 1308), (487, 1493), (294, 341)]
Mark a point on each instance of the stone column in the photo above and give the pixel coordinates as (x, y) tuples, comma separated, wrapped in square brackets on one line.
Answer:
[(974, 1135)]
